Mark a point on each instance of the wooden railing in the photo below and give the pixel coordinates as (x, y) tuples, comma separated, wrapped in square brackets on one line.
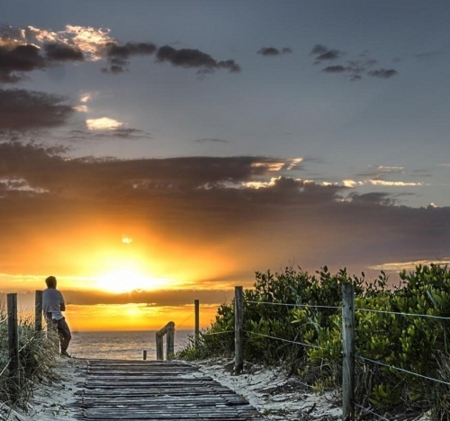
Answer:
[(169, 330)]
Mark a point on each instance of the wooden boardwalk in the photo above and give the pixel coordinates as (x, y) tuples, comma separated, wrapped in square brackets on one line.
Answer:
[(157, 390)]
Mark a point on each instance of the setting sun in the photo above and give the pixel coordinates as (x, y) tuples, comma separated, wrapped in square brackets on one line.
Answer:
[(125, 280)]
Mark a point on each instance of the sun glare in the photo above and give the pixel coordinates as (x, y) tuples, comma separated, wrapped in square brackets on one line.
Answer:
[(129, 280)]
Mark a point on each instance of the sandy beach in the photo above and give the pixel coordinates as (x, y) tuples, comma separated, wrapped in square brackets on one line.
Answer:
[(52, 398), (275, 394)]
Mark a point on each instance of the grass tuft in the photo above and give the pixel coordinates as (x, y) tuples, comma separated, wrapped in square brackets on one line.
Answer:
[(37, 361)]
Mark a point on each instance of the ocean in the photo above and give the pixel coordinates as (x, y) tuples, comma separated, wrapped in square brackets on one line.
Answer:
[(124, 345)]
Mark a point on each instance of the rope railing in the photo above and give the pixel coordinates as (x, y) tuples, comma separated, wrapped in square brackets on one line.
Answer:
[(217, 333), (182, 324), (369, 411), (383, 364), (294, 305), (399, 313), (283, 340)]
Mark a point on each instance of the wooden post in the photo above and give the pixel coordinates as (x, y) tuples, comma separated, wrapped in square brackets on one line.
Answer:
[(144, 354), (348, 348), (238, 330), (13, 336), (168, 329), (159, 347), (197, 322), (38, 312), (170, 344)]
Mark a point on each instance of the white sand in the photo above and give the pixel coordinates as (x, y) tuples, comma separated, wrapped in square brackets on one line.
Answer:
[(51, 399), (275, 394)]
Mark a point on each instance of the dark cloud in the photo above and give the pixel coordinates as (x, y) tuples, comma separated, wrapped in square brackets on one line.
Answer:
[(322, 53), (118, 55), (20, 58), (318, 49), (212, 140), (272, 51), (372, 199), (194, 58), (119, 133), (334, 69), (156, 298), (21, 109), (129, 49), (16, 59), (383, 73), (23, 51), (354, 70), (62, 52)]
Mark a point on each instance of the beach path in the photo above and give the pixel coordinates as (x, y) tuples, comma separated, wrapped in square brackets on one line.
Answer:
[(156, 390)]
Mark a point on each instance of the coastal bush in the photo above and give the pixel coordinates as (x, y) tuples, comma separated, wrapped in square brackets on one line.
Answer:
[(295, 318)]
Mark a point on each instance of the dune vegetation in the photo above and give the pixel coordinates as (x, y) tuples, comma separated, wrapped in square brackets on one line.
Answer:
[(402, 335), (37, 361)]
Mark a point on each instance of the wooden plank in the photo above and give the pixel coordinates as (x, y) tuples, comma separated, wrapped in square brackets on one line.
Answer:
[(152, 390)]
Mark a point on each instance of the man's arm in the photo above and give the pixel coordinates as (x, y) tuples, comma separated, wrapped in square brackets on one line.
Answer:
[(62, 303)]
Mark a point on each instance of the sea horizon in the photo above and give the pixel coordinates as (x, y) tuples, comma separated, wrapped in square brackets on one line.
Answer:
[(122, 344)]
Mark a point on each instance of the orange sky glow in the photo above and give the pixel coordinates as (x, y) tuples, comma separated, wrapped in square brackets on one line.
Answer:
[(137, 316), (99, 268), (133, 253)]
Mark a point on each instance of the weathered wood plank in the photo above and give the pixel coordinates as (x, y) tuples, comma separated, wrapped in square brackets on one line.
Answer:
[(157, 390)]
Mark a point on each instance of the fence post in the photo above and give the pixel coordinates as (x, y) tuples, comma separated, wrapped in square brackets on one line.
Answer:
[(159, 347), (13, 340), (238, 330), (348, 348), (38, 311), (197, 322), (170, 340)]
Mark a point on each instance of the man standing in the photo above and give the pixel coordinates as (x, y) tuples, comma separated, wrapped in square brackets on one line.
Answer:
[(53, 304)]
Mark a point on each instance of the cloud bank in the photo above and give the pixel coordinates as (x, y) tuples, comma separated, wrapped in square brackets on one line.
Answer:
[(29, 49), (250, 213)]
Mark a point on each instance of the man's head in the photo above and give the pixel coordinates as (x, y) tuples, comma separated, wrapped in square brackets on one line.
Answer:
[(51, 282)]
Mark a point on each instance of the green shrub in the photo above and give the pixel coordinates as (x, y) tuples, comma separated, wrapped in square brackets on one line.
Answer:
[(299, 308)]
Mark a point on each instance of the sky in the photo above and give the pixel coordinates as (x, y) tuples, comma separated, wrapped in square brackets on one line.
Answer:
[(157, 152)]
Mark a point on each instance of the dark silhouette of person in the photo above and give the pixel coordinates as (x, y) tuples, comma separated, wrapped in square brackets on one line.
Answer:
[(53, 305)]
